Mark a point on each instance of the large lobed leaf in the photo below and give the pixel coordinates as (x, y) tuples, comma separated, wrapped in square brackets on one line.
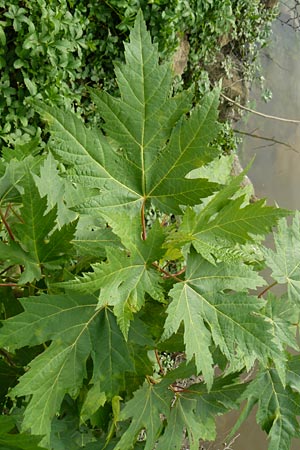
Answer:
[(152, 145), (76, 329), (36, 241), (225, 222), (125, 279), (212, 313), (168, 411), (278, 406)]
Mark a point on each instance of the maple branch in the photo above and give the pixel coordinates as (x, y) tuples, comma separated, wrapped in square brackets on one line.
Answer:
[(161, 369), (144, 233), (6, 212), (275, 141), (267, 116), (7, 226), (229, 445), (167, 274), (267, 288), (181, 389), (180, 272), (7, 357), (15, 213), (6, 269), (8, 284)]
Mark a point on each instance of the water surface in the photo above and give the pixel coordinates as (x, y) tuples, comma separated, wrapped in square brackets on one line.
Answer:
[(276, 169)]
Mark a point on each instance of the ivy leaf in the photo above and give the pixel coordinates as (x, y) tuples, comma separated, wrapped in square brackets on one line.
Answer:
[(11, 441), (212, 315), (124, 280), (285, 260), (75, 329), (155, 146), (278, 408)]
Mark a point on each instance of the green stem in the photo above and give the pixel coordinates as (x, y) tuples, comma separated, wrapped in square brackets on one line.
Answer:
[(144, 233)]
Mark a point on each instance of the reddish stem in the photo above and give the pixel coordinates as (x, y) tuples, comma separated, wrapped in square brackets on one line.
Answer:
[(180, 272), (7, 357), (6, 212), (161, 369), (167, 274), (8, 284), (16, 214), (267, 288), (7, 226), (176, 389)]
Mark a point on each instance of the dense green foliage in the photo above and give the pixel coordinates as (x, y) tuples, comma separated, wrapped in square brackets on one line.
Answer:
[(53, 49), (124, 245)]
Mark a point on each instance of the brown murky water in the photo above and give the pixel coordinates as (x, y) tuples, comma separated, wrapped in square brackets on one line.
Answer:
[(276, 169)]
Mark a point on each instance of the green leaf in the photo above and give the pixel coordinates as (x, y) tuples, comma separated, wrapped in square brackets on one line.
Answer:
[(161, 258), (145, 410), (53, 186), (211, 314), (124, 280), (278, 408), (75, 328), (194, 411), (293, 372), (224, 222), (66, 432), (155, 145), (285, 260), (182, 419), (175, 407), (145, 113), (35, 245), (224, 396), (283, 317), (11, 441), (92, 238), (95, 398), (12, 180), (31, 86)]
